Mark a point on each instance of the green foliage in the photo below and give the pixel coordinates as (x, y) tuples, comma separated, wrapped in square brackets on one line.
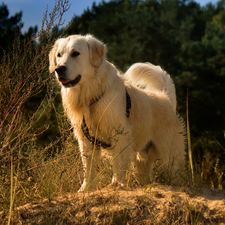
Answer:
[(9, 27)]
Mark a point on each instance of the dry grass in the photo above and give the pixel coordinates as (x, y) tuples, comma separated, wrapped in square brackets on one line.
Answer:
[(23, 116), (157, 205)]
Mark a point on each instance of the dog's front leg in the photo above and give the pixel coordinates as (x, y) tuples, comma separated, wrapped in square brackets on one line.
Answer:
[(121, 160), (91, 164)]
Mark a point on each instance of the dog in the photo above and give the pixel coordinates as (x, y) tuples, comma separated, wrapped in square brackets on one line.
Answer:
[(132, 116)]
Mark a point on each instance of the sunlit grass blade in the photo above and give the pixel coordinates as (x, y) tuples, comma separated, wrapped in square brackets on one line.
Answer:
[(189, 144)]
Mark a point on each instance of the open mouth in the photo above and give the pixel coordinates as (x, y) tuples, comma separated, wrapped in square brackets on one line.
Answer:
[(70, 83)]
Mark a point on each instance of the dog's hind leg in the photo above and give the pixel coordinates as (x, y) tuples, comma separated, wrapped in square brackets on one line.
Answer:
[(143, 163), (143, 169)]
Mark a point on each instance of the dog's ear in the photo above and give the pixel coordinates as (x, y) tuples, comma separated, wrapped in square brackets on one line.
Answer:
[(97, 50), (52, 59)]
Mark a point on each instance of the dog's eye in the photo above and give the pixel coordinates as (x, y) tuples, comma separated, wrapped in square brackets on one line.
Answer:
[(75, 54), (58, 55)]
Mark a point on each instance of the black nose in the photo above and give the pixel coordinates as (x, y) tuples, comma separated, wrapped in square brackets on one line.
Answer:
[(60, 70)]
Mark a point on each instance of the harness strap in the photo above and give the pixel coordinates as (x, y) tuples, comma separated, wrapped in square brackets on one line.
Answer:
[(85, 129), (91, 138), (128, 104)]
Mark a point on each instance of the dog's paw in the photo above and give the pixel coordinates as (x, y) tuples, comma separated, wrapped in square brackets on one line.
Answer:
[(83, 187), (118, 185), (87, 187)]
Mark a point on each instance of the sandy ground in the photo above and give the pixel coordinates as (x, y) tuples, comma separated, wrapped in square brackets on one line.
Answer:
[(153, 205)]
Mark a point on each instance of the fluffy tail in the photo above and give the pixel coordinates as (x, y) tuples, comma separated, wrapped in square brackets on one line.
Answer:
[(150, 77)]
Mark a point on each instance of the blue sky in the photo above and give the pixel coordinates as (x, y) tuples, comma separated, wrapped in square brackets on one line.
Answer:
[(33, 9)]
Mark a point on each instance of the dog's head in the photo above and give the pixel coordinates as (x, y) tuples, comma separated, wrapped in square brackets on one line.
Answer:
[(75, 58)]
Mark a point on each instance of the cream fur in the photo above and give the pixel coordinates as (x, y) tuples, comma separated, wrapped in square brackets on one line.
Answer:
[(153, 131)]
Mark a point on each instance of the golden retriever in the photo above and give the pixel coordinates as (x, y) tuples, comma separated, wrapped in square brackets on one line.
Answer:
[(131, 116)]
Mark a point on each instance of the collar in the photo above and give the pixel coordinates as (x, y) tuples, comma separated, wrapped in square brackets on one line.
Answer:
[(93, 100), (128, 102)]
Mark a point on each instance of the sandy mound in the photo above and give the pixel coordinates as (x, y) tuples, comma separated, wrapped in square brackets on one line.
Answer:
[(155, 205)]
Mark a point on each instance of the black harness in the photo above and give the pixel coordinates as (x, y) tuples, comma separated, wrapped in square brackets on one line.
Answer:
[(85, 129)]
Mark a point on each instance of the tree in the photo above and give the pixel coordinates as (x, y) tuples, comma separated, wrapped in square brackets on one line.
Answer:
[(9, 26)]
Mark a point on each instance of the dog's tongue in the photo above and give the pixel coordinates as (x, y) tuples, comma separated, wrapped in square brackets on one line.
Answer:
[(63, 80)]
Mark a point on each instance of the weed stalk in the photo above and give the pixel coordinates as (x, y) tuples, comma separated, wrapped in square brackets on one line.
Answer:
[(189, 144)]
